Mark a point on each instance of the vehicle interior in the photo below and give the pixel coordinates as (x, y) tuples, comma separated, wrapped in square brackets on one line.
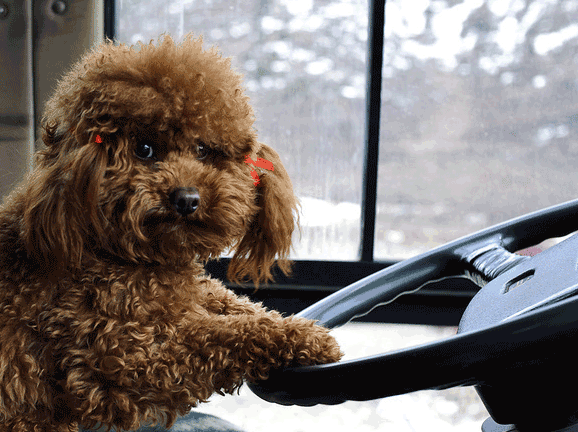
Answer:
[(431, 144)]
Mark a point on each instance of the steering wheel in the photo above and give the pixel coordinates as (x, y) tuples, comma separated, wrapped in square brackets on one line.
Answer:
[(515, 342)]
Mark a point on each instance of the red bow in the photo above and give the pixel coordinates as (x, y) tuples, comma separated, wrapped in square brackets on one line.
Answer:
[(261, 163)]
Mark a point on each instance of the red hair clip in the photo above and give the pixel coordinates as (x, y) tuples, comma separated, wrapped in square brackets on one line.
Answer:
[(261, 163)]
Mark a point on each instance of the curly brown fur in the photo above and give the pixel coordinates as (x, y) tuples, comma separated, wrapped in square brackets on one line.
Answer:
[(106, 314)]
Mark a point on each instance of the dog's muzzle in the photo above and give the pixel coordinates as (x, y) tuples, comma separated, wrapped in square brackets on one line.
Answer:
[(185, 200)]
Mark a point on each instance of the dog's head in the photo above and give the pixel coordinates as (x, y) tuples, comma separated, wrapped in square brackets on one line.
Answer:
[(146, 161)]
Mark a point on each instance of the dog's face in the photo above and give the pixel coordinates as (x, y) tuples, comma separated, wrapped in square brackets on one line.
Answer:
[(145, 160), (166, 195)]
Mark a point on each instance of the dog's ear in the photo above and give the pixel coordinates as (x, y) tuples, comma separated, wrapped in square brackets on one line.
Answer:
[(61, 215), (268, 240)]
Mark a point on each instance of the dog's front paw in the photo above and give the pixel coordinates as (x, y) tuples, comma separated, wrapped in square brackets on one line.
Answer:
[(316, 346)]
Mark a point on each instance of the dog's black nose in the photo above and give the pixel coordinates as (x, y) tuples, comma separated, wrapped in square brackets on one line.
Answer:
[(185, 200)]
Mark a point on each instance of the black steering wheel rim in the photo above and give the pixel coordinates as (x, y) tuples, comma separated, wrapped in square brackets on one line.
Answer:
[(460, 360)]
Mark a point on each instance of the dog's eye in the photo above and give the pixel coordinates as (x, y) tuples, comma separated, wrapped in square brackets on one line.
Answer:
[(202, 151), (144, 151)]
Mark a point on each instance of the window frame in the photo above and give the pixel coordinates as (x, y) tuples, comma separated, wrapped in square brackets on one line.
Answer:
[(440, 303)]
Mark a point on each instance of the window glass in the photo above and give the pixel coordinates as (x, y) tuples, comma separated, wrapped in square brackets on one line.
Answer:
[(479, 117), (304, 67)]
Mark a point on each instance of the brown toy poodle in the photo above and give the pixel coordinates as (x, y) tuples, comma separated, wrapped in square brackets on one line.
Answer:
[(151, 166)]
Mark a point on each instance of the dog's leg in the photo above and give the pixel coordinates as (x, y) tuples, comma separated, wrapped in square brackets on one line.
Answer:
[(270, 340), (223, 301), (242, 346)]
